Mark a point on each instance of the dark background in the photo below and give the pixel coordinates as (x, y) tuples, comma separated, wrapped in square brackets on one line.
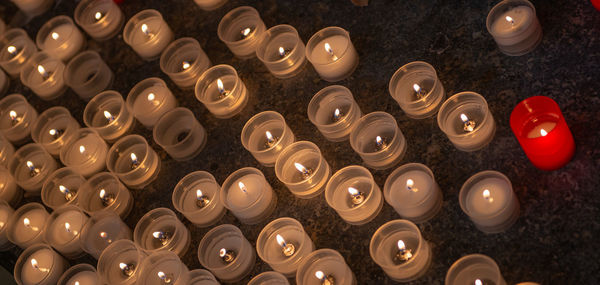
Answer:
[(555, 240)]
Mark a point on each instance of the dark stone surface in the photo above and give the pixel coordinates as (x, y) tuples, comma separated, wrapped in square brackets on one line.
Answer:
[(555, 239)]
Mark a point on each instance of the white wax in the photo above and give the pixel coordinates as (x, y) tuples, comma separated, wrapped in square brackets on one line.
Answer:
[(537, 131), (338, 44), (334, 68), (93, 157), (59, 232), (149, 111), (522, 17), (499, 196), (150, 45), (84, 278), (67, 44), (32, 276), (37, 219), (238, 199), (422, 182)]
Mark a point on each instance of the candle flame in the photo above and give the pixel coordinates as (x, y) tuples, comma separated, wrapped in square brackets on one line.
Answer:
[(26, 222), (401, 245), (222, 252), (52, 132), (417, 88), (145, 29), (63, 189), (68, 227), (81, 149), (478, 281), (104, 236), (487, 195), (108, 116), (510, 20), (379, 141), (55, 35), (185, 65), (102, 193), (98, 15), (337, 113), (464, 118), (328, 49), (269, 136), (158, 234), (280, 240), (543, 132), (151, 97), (319, 274), (410, 184), (122, 265), (30, 165), (11, 49), (242, 187), (162, 275), (220, 86), (301, 168), (199, 194), (42, 70), (12, 114), (246, 32), (353, 191), (133, 157), (281, 51)]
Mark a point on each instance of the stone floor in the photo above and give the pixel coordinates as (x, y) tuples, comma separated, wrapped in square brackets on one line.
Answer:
[(554, 240)]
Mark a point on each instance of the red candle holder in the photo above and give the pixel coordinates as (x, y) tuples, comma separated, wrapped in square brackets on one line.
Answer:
[(540, 128), (596, 4)]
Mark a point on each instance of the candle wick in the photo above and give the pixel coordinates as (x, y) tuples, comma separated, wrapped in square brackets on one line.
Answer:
[(246, 32), (227, 255), (380, 143), (337, 114), (271, 140), (162, 237), (468, 124), (419, 91), (330, 52)]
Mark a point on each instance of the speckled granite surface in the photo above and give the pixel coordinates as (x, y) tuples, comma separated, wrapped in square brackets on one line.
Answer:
[(555, 240)]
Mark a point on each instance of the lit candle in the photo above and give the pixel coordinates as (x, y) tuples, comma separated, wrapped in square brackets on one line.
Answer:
[(542, 132), (334, 112), (488, 199), (325, 265), (354, 195), (85, 153), (108, 114), (596, 4), (16, 118), (163, 267), (412, 191), (282, 51), (63, 230), (43, 73), (283, 244), (15, 49), (221, 91), (6, 212), (160, 229), (184, 61), (30, 167), (226, 253), (210, 5), (133, 161), (265, 135), (332, 54), (149, 100), (248, 195), (100, 19), (269, 277), (148, 34), (39, 264), (378, 140), (197, 197), (400, 250), (80, 274), (54, 128), (9, 192), (60, 38), (34, 8), (467, 121), (241, 29), (417, 89), (6, 150), (26, 225), (102, 229), (102, 192), (515, 27), (303, 169), (474, 269)]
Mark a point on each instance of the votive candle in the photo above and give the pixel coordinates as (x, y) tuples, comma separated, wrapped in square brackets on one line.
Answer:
[(184, 61), (149, 99), (39, 264), (324, 266), (86, 152), (241, 29), (108, 115), (62, 188), (265, 135), (100, 19), (16, 118), (15, 48), (44, 75), (87, 74), (54, 128), (417, 89), (148, 34), (133, 161), (60, 38), (303, 169), (63, 230), (515, 27), (334, 112), (472, 268), (160, 229), (30, 166), (180, 134), (332, 54), (222, 91), (198, 197), (282, 51), (26, 225), (102, 229), (104, 192), (248, 195)]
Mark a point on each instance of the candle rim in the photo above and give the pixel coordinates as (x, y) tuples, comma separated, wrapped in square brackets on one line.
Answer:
[(247, 131), (382, 235), (320, 36), (268, 36), (49, 27)]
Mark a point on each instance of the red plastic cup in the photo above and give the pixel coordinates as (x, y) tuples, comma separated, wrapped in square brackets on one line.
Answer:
[(540, 128), (596, 4)]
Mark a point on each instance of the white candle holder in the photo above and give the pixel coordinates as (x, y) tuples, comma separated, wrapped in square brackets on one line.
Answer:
[(87, 74), (160, 229), (184, 61), (15, 48), (6, 212), (104, 192), (163, 267), (282, 51), (119, 263), (39, 264), (54, 128), (82, 273), (241, 29), (108, 115), (470, 268), (202, 208), (148, 34), (283, 244), (332, 54), (100, 19), (9, 191), (222, 91), (30, 166), (269, 277), (265, 135), (515, 27), (16, 118), (488, 199), (400, 250), (202, 277), (412, 191), (149, 99), (33, 8), (26, 225), (6, 150), (467, 121), (248, 195), (303, 169), (133, 161), (226, 253), (102, 229), (378, 140), (180, 134), (354, 195), (62, 188), (4, 82), (60, 38), (417, 89), (210, 5), (324, 266), (334, 112), (43, 74), (63, 230), (86, 152)]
